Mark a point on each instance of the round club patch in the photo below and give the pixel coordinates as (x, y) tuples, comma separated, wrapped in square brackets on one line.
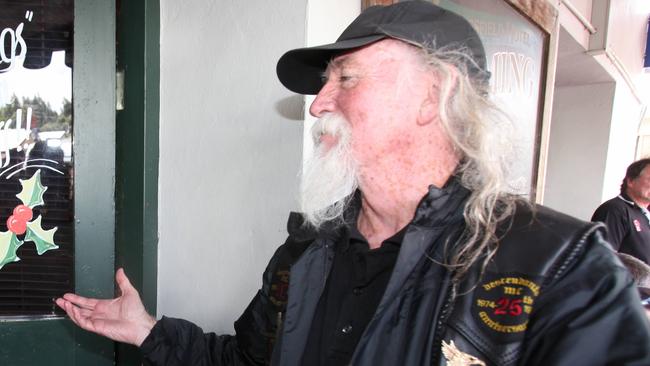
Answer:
[(502, 304)]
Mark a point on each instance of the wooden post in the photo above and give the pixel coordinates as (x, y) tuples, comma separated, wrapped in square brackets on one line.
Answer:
[(368, 3)]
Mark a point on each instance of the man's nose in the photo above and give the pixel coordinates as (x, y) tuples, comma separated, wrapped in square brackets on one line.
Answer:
[(324, 102)]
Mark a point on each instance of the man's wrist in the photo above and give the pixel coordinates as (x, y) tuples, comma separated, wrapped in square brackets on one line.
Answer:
[(145, 329)]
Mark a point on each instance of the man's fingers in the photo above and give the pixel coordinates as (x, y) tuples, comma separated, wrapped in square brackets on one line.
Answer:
[(85, 312), (84, 322), (69, 309), (81, 301)]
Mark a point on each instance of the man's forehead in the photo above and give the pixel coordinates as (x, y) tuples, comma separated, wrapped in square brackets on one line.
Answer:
[(373, 54), (341, 61)]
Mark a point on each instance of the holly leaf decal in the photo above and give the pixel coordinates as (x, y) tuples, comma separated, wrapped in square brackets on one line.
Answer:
[(32, 193), (44, 239), (9, 243)]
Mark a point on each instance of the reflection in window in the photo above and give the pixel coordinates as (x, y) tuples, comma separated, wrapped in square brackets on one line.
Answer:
[(36, 163), (515, 49)]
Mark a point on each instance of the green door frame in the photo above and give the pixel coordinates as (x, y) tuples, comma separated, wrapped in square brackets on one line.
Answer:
[(57, 341), (136, 199), (94, 150)]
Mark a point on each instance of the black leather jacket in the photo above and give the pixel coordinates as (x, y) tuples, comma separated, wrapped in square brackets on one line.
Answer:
[(554, 294)]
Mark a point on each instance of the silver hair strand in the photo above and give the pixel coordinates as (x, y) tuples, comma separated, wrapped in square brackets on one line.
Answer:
[(481, 134)]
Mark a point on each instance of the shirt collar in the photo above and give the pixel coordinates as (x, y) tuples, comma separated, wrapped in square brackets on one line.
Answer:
[(353, 233), (625, 198), (644, 210)]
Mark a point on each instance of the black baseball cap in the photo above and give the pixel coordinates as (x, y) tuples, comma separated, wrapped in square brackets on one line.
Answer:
[(416, 22)]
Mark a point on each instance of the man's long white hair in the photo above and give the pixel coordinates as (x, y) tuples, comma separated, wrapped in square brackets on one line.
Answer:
[(482, 135)]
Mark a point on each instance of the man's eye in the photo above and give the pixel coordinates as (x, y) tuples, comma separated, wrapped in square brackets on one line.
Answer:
[(347, 80), (344, 80)]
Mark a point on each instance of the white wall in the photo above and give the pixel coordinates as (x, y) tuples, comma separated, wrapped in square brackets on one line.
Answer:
[(578, 148), (570, 22), (230, 150), (626, 117), (627, 32), (625, 46)]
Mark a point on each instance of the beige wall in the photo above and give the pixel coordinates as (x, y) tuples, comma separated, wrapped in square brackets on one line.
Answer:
[(627, 32), (571, 23), (230, 149), (578, 148)]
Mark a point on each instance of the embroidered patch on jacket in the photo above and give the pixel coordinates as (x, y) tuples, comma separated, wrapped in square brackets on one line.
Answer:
[(637, 225), (455, 357), (502, 304), (279, 288)]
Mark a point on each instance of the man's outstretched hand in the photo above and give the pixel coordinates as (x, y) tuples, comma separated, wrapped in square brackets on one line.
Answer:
[(123, 319)]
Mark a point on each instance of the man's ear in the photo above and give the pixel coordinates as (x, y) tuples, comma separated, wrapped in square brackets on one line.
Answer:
[(437, 96), (428, 111)]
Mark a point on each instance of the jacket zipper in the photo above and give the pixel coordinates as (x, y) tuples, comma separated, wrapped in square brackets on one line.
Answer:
[(278, 323), (446, 311), (325, 271)]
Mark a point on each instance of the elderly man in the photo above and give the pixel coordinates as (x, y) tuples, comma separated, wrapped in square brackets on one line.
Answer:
[(409, 250), (626, 216)]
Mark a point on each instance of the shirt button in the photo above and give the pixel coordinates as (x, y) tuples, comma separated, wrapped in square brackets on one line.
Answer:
[(347, 329), (357, 291)]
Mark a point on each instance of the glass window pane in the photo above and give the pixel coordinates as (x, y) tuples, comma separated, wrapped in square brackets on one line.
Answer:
[(516, 51), (36, 163)]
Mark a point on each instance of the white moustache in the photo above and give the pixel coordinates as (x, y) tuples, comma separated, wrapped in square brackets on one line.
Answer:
[(329, 124)]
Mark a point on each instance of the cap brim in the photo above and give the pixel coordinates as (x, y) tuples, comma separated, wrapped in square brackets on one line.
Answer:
[(301, 70)]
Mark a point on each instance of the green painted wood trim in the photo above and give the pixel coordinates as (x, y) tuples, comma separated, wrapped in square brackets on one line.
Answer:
[(94, 159), (152, 118), (51, 338), (137, 154)]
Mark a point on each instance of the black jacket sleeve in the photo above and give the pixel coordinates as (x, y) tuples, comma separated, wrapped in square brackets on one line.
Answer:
[(591, 316), (176, 342), (179, 342)]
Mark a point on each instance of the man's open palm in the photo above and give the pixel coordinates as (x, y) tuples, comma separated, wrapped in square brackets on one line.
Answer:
[(123, 319)]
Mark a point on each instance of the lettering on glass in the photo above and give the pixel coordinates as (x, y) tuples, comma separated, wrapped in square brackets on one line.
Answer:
[(17, 46), (18, 139), (513, 74)]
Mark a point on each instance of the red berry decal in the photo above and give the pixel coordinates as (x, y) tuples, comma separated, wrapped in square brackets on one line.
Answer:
[(16, 225), (31, 195), (23, 213)]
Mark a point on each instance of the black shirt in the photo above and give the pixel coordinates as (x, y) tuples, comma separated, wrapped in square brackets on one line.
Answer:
[(355, 285), (628, 228)]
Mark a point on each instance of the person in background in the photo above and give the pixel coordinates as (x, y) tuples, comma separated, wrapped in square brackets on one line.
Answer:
[(626, 216), (409, 249)]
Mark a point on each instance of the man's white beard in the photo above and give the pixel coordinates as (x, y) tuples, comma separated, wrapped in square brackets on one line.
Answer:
[(329, 176)]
